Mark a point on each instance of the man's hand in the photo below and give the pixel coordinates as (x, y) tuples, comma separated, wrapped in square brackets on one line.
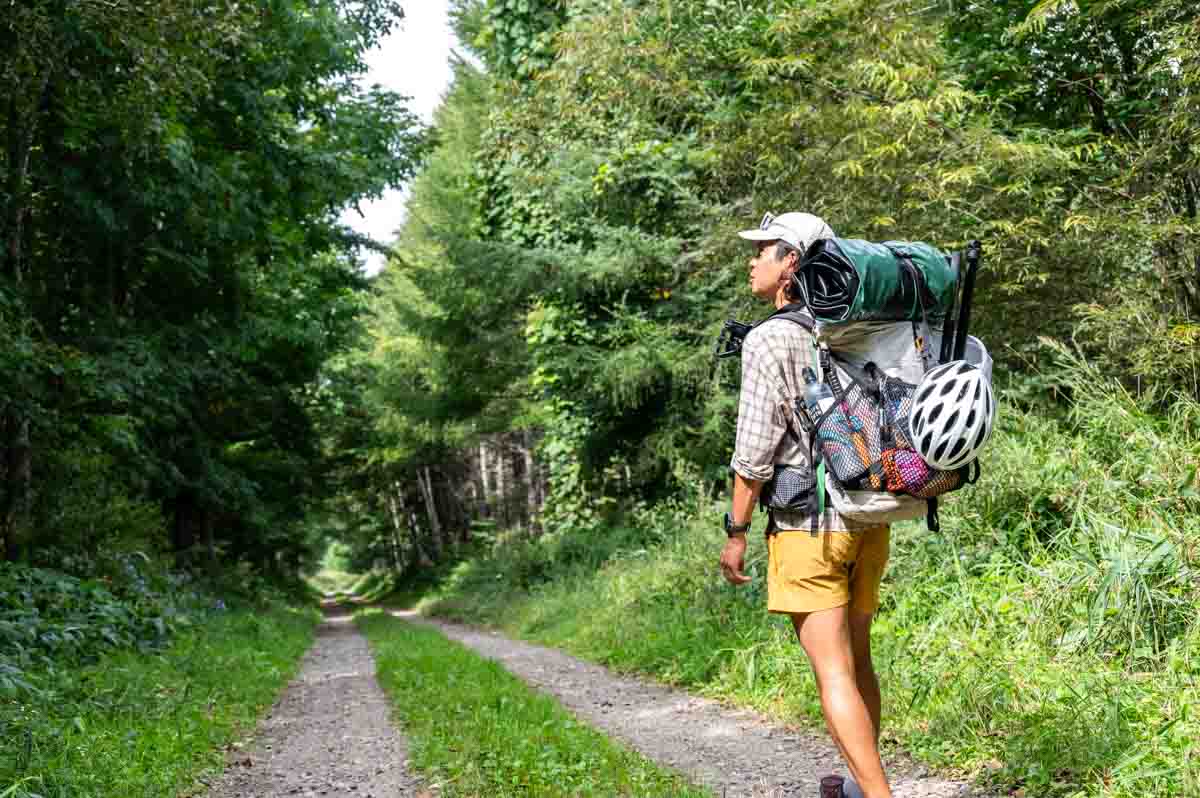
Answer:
[(733, 560)]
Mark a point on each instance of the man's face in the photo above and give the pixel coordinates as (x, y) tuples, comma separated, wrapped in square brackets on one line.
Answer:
[(767, 271)]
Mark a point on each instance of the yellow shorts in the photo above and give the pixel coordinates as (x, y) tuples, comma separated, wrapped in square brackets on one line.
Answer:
[(807, 573)]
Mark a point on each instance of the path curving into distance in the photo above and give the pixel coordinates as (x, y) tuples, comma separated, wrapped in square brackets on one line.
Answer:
[(330, 734)]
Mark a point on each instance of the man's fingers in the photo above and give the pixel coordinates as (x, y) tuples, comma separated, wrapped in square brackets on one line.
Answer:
[(734, 575)]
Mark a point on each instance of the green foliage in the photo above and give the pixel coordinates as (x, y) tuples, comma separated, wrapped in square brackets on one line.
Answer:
[(515, 37), (51, 620), (146, 724), (570, 254), (163, 355), (503, 739)]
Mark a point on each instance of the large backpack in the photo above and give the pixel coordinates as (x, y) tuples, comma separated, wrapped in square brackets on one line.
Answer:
[(865, 463)]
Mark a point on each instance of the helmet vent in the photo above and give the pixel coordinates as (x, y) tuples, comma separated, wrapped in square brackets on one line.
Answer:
[(983, 431)]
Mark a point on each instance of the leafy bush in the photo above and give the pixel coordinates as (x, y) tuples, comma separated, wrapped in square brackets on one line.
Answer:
[(50, 619)]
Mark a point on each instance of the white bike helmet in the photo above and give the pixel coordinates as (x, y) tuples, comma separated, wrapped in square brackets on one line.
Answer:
[(952, 415)]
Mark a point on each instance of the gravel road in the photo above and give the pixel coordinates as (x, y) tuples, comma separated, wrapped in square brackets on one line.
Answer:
[(734, 752), (330, 734)]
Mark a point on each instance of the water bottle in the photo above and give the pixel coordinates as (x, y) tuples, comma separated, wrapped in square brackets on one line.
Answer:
[(817, 396)]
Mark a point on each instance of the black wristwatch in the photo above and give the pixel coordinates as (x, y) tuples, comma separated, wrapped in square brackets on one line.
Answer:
[(732, 529)]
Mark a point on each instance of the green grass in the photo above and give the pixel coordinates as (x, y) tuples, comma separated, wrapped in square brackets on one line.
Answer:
[(146, 725), (477, 730), (1047, 639)]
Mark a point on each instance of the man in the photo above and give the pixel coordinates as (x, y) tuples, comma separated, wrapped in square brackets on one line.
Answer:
[(828, 581)]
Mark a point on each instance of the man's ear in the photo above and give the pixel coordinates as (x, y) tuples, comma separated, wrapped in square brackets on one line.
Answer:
[(793, 263)]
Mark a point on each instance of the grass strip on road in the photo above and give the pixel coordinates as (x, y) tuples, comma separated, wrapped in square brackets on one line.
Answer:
[(480, 731), (146, 725)]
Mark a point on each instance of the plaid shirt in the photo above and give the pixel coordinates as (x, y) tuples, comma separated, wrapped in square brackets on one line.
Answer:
[(774, 356)]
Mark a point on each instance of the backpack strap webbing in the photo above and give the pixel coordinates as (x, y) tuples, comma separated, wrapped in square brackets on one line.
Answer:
[(921, 330), (797, 314)]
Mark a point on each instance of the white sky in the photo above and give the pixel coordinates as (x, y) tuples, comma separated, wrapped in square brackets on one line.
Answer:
[(414, 61)]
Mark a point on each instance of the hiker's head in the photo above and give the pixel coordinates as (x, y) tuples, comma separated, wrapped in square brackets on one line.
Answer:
[(780, 242)]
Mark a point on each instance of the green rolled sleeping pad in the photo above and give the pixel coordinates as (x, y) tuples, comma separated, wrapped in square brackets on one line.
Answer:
[(848, 280)]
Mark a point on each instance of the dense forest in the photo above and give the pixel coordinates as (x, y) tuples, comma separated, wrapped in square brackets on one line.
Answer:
[(201, 381), (174, 272)]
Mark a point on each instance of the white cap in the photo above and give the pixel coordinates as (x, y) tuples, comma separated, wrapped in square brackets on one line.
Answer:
[(799, 230)]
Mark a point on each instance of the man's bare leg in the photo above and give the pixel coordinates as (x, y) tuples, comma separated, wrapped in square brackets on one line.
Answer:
[(825, 637), (864, 669)]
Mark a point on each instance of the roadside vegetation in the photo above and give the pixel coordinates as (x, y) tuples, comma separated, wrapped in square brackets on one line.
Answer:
[(475, 729), (121, 685)]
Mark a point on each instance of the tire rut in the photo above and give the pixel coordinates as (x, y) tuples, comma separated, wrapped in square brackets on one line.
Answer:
[(734, 752), (330, 733)]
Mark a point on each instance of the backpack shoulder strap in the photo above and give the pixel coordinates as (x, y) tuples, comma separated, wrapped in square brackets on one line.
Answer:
[(796, 313)]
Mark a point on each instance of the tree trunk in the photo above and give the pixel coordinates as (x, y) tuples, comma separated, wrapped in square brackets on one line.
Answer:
[(184, 529), (394, 500), (485, 481), (501, 484), (435, 525), (1100, 121), (210, 545), (530, 475), (23, 126), (414, 534), (18, 473)]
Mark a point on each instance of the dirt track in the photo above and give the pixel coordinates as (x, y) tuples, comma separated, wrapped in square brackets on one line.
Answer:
[(330, 732)]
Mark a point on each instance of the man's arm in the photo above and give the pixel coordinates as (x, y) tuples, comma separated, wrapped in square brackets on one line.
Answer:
[(745, 494), (760, 428)]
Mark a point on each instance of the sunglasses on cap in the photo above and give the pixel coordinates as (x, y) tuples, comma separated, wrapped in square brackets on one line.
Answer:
[(768, 219)]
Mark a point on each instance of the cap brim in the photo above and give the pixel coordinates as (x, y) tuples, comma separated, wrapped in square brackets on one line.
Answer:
[(759, 235)]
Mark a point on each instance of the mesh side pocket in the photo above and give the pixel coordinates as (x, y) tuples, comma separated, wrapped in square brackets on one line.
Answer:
[(940, 482), (905, 471), (849, 436), (790, 488), (897, 404)]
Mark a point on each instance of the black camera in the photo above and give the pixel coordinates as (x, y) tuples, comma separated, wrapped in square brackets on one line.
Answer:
[(729, 342)]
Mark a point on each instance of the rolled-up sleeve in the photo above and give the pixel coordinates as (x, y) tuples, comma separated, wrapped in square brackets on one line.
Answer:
[(762, 421)]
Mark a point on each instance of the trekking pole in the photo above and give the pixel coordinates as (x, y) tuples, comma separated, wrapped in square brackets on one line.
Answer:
[(948, 322), (974, 253)]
